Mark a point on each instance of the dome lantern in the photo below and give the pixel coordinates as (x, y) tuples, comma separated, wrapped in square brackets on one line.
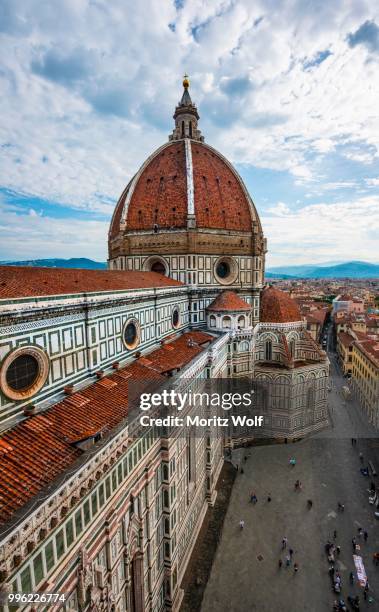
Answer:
[(186, 117)]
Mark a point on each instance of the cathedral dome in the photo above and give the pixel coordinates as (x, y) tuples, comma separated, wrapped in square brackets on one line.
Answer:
[(278, 307), (181, 179), (185, 186)]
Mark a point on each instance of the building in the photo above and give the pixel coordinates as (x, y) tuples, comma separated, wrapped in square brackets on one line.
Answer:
[(91, 504), (365, 377)]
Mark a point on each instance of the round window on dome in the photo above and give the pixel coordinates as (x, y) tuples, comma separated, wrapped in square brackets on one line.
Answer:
[(226, 270), (24, 372), (175, 317), (131, 334), (223, 269)]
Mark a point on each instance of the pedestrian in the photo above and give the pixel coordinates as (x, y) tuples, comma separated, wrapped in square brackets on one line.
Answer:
[(351, 577), (361, 457), (242, 524), (296, 568), (241, 470), (331, 571), (269, 497), (338, 549), (288, 560), (290, 552), (354, 543), (335, 534), (365, 536), (280, 564), (360, 532), (284, 543), (341, 507)]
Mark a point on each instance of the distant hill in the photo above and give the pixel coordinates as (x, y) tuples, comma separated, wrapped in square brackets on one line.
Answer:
[(278, 275), (75, 262), (351, 269)]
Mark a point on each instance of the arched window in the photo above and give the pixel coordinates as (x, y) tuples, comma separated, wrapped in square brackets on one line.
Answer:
[(241, 321), (182, 129), (311, 397), (292, 348), (268, 350), (227, 322), (190, 129), (212, 321), (158, 266)]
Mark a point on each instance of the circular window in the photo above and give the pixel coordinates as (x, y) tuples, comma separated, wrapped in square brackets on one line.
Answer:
[(226, 270), (131, 334), (223, 269), (175, 317), (24, 372)]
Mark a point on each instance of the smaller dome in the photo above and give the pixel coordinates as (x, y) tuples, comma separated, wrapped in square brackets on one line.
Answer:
[(229, 301), (278, 307)]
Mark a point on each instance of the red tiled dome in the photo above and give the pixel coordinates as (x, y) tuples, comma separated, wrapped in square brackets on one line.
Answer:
[(278, 307), (228, 300), (179, 178)]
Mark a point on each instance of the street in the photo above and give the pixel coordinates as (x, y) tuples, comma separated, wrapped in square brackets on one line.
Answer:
[(246, 573)]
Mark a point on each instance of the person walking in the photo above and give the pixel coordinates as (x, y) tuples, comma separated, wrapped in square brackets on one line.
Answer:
[(269, 497), (351, 577), (360, 532), (335, 534), (288, 560), (280, 564), (361, 457), (365, 536), (242, 524), (284, 543), (296, 568), (290, 552)]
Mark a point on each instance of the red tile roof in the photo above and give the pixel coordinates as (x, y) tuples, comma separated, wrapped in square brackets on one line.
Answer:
[(38, 449), (278, 307), (345, 338), (229, 300), (220, 201), (160, 193), (177, 354), (27, 281)]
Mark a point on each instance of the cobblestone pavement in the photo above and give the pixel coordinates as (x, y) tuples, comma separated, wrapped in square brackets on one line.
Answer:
[(245, 574)]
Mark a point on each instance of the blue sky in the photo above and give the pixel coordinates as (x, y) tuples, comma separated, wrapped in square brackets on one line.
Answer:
[(288, 91)]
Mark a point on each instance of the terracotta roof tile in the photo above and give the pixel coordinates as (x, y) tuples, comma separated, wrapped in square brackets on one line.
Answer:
[(160, 193), (278, 307), (229, 300), (38, 449), (27, 281)]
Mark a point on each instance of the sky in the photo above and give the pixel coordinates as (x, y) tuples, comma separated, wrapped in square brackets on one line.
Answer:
[(287, 90)]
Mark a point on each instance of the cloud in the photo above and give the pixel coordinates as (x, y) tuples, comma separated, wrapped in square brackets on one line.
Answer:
[(323, 232), (373, 182), (30, 235), (367, 35), (281, 209), (78, 64), (89, 89), (320, 57)]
